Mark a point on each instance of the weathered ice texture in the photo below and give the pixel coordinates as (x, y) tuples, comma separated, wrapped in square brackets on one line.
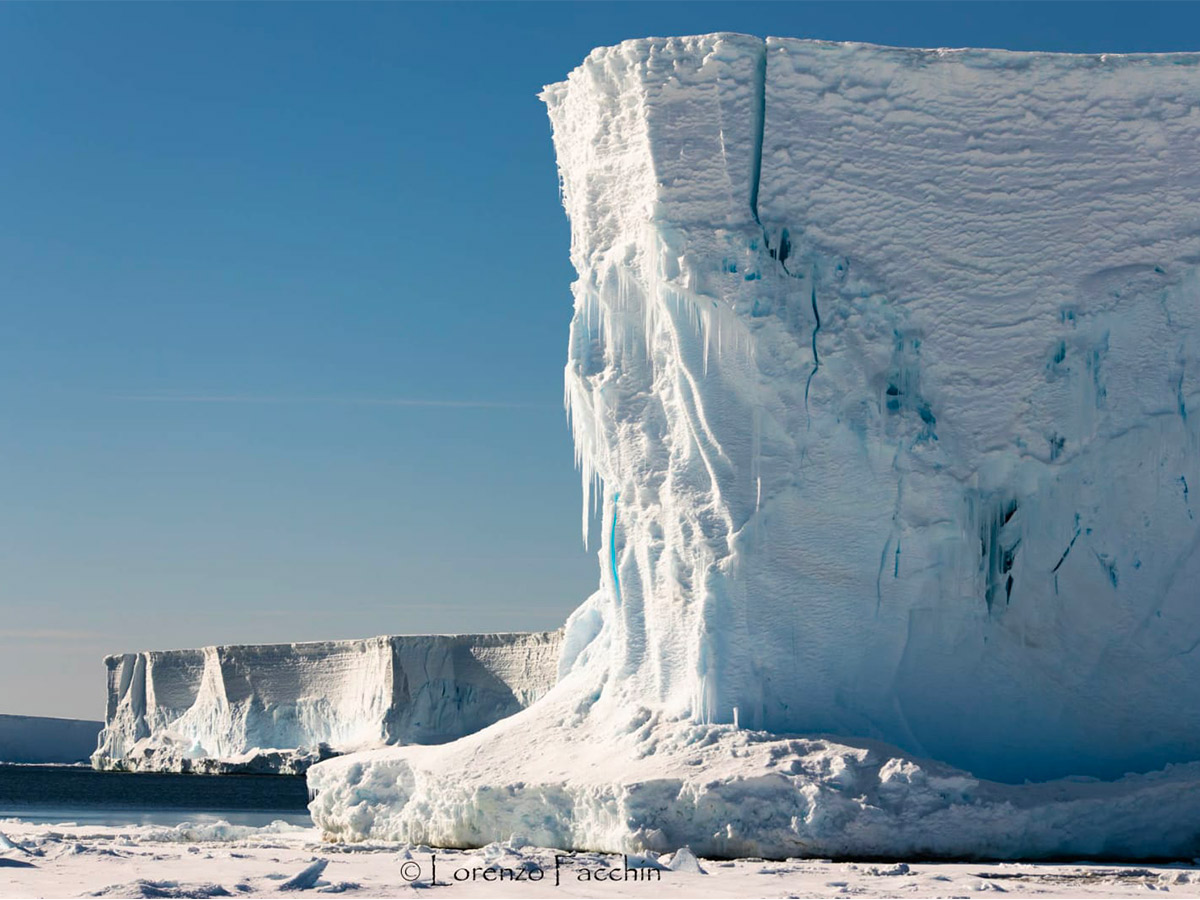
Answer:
[(39, 739), (884, 361), (280, 707), (884, 371)]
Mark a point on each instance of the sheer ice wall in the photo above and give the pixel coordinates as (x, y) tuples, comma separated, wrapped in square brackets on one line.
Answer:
[(41, 739), (221, 702), (883, 365)]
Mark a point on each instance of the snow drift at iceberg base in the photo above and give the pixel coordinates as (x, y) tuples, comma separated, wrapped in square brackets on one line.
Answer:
[(882, 373)]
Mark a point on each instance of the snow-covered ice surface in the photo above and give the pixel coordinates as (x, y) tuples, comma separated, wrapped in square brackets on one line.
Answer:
[(883, 374), (284, 861), (656, 784), (42, 739), (281, 707)]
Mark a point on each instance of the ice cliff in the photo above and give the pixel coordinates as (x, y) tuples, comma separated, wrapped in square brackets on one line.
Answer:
[(41, 739), (280, 707), (883, 375)]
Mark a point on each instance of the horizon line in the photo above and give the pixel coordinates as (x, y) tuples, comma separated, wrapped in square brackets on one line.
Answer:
[(424, 402)]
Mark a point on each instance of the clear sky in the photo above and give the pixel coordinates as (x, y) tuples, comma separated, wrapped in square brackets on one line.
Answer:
[(285, 296)]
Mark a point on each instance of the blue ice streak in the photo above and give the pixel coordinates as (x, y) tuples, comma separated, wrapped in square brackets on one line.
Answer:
[(612, 547)]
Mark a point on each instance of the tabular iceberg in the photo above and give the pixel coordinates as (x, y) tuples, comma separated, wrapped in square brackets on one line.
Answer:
[(883, 373), (41, 739), (281, 707)]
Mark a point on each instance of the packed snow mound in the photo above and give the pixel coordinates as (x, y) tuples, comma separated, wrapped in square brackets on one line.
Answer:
[(657, 785), (883, 376), (282, 707), (42, 739)]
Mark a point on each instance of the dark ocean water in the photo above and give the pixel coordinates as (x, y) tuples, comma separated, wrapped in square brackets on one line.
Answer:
[(81, 795)]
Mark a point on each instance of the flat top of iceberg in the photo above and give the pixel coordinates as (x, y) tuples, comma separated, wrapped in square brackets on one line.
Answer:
[(733, 38), (484, 636)]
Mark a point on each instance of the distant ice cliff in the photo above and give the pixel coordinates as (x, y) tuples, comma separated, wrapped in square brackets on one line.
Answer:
[(40, 739), (281, 707)]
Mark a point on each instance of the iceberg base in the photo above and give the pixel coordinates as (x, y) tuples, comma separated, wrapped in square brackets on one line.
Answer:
[(543, 777)]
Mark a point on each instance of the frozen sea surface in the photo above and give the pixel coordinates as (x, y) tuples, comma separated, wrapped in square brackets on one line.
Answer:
[(281, 860)]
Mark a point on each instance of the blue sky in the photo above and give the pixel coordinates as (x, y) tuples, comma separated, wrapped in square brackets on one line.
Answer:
[(285, 295)]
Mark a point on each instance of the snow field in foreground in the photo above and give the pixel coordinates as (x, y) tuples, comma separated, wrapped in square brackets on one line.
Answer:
[(282, 861)]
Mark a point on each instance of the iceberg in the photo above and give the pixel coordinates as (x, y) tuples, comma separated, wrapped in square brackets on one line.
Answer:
[(883, 377), (44, 739), (279, 708)]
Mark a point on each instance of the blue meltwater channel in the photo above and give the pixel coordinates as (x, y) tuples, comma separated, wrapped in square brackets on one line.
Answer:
[(612, 547)]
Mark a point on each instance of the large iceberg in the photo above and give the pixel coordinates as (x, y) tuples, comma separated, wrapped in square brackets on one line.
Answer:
[(42, 739), (883, 375), (281, 707)]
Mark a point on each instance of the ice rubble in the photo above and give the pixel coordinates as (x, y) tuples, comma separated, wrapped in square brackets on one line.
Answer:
[(882, 374), (281, 707)]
